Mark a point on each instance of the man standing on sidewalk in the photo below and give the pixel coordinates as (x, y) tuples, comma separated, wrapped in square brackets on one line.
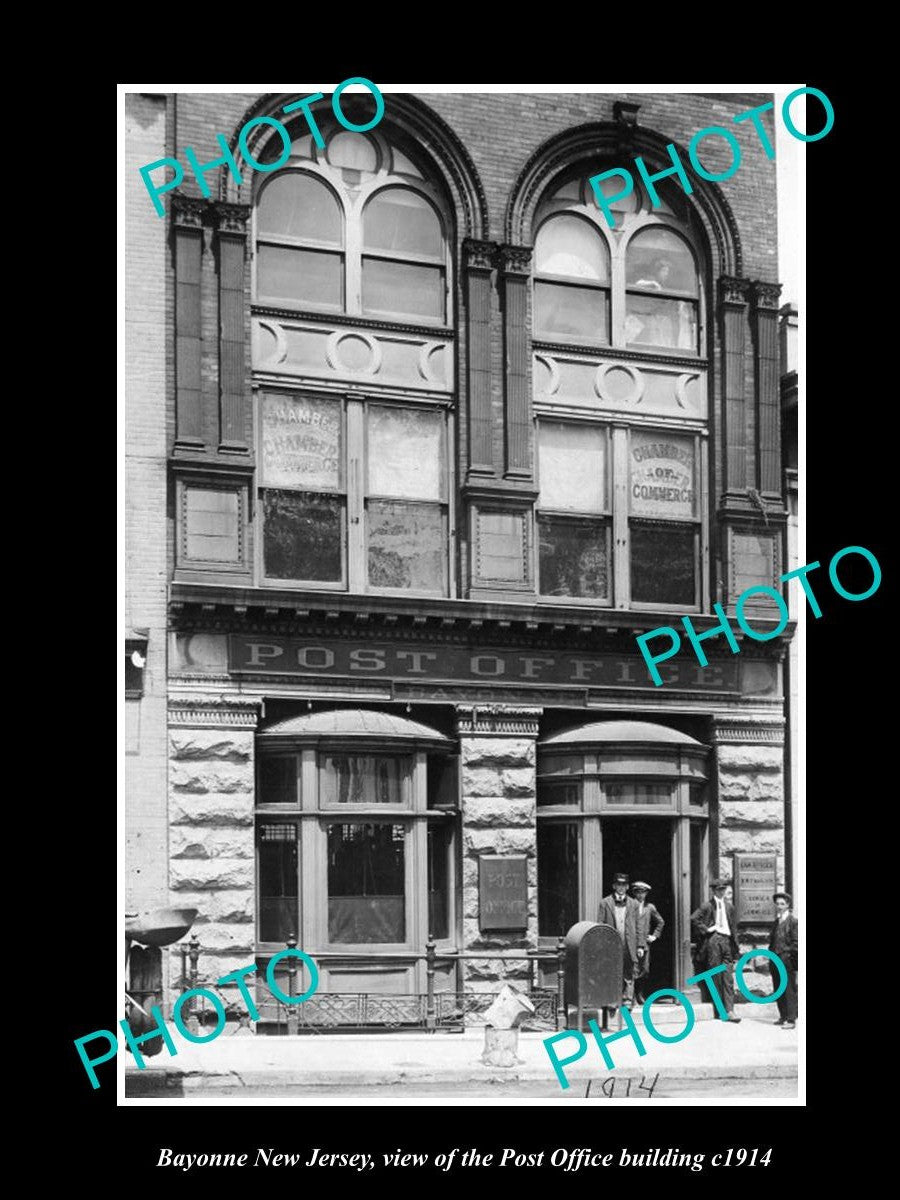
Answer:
[(620, 911), (713, 928), (783, 941), (649, 928)]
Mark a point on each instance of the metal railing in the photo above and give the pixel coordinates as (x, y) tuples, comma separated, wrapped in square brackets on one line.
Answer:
[(434, 1009)]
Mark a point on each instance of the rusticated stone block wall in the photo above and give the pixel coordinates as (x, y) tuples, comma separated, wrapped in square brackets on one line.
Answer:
[(211, 845), (498, 763), (751, 820)]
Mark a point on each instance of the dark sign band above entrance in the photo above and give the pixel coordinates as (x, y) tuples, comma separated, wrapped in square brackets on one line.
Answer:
[(342, 659)]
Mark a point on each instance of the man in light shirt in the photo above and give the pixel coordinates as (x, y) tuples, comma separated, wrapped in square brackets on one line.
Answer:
[(714, 930)]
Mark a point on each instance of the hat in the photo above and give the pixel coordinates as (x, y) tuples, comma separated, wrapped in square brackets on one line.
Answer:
[(640, 884), (719, 883), (783, 896), (620, 878)]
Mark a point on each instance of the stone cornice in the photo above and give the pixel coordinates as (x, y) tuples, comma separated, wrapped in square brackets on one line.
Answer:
[(205, 711), (740, 730), (497, 720)]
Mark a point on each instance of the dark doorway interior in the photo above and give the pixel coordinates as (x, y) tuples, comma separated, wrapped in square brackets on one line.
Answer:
[(642, 848)]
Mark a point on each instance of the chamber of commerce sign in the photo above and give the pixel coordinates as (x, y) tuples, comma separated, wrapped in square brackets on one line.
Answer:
[(338, 658)]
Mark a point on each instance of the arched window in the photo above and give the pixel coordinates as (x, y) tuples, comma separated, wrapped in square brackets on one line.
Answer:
[(403, 256), (571, 287), (662, 291), (299, 243), (621, 415), (354, 228), (353, 484)]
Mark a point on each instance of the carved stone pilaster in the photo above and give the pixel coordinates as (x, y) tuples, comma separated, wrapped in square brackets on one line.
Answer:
[(733, 290), (231, 218), (766, 295), (515, 260), (768, 388), (737, 429), (479, 260), (478, 256), (190, 212)]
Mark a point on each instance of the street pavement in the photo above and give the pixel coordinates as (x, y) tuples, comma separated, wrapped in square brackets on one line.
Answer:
[(753, 1058)]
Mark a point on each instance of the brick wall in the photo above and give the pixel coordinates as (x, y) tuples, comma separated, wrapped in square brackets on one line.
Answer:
[(145, 507)]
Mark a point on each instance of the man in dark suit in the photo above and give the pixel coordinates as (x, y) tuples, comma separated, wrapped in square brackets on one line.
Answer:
[(619, 910), (783, 941), (714, 930), (649, 930)]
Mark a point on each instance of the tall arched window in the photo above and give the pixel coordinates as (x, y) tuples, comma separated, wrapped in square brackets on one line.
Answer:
[(354, 484), (620, 400), (354, 228)]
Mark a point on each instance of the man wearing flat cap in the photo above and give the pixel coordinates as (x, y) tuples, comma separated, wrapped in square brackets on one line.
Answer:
[(619, 910), (783, 941), (714, 931), (649, 930)]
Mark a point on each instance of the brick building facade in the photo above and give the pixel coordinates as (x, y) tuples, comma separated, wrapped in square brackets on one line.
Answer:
[(416, 446)]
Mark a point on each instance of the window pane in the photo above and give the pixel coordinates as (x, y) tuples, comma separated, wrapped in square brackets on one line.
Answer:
[(406, 546), (571, 247), (406, 453), (573, 311), (558, 793), (572, 466), (438, 880), (662, 564), (352, 150), (574, 558), (656, 321), (301, 442), (302, 536), (661, 482), (277, 882), (366, 888), (639, 793), (557, 864), (609, 187), (278, 780), (211, 525), (361, 779), (399, 219), (300, 276), (402, 289), (659, 260), (297, 205)]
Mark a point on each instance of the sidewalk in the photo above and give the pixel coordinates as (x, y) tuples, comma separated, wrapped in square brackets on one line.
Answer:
[(754, 1049)]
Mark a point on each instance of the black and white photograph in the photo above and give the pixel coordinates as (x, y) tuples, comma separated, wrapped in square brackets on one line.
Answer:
[(463, 585)]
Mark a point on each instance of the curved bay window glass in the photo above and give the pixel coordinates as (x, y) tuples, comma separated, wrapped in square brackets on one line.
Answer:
[(356, 817), (625, 796), (620, 397)]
